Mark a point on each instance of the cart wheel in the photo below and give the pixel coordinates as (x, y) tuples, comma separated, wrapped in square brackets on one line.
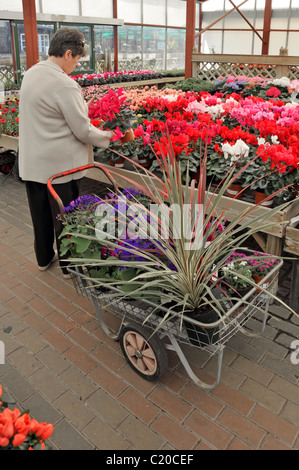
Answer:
[(145, 354)]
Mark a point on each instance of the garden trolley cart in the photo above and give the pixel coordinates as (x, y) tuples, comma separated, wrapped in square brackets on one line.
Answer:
[(144, 340)]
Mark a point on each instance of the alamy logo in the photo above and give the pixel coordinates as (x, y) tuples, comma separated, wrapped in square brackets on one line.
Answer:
[(2, 353), (295, 354), (132, 221)]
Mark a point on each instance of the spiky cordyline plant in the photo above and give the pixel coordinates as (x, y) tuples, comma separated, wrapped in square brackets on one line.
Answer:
[(188, 286)]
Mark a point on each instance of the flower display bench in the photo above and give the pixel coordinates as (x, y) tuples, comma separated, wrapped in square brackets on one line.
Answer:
[(9, 142)]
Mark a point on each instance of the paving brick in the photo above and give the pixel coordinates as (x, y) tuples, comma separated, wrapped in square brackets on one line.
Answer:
[(172, 381), (139, 435), (8, 281), (201, 400), (237, 444), (285, 340), (278, 311), (24, 361), (23, 293), (56, 339), (255, 371), (174, 432), (170, 403), (5, 294), (84, 303), (113, 360), (53, 360), (18, 306), (67, 403), (112, 412), (83, 339), (107, 381), (263, 395), (284, 368), (37, 286), (136, 381), (242, 427), (81, 359), (291, 413), (31, 340), (285, 389), (78, 383), (47, 384), (63, 305), (10, 343), (271, 346), (40, 306), (104, 437), (68, 438), (244, 349), (286, 326), (67, 291), (141, 407), (229, 375), (233, 398), (19, 258), (207, 429), (19, 387), (42, 410), (203, 446), (11, 324), (271, 443), (60, 321), (14, 269), (276, 425), (38, 324)]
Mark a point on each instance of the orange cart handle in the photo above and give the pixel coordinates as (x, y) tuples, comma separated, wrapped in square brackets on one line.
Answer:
[(70, 172)]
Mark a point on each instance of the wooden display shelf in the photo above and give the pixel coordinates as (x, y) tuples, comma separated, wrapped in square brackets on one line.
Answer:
[(152, 82), (292, 240)]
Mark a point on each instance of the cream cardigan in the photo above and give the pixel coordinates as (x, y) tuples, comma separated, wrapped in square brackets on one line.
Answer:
[(55, 132)]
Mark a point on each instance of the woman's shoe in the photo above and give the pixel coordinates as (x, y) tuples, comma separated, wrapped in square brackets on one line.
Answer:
[(55, 257)]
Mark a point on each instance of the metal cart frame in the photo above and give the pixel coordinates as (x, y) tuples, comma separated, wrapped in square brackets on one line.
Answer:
[(144, 340), (139, 318)]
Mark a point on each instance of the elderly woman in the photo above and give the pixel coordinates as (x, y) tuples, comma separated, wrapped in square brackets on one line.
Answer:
[(55, 136)]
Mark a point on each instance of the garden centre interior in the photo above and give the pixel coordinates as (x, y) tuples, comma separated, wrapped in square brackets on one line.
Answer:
[(202, 98)]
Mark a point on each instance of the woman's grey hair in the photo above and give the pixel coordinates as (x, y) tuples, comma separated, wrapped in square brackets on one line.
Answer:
[(67, 39)]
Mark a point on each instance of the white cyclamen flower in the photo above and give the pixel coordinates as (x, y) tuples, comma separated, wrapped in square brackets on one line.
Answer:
[(284, 81), (274, 139), (261, 141)]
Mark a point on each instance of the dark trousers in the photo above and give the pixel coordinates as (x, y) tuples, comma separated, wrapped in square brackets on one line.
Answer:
[(44, 211)]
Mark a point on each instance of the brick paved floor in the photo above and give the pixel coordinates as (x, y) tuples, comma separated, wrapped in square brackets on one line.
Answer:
[(62, 367)]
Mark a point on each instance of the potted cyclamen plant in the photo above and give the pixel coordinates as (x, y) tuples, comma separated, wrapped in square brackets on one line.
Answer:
[(272, 174), (115, 113)]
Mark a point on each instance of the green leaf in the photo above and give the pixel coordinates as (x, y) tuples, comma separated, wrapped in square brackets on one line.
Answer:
[(82, 244), (127, 274)]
